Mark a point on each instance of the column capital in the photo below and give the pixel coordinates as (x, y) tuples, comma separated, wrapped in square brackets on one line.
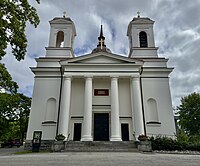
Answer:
[(88, 76), (67, 76), (114, 76), (135, 76)]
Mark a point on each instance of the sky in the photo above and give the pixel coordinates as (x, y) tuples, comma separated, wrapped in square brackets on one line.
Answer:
[(176, 30)]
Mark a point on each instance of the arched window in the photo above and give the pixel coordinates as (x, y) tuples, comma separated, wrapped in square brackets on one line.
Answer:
[(60, 39), (50, 110), (143, 39), (152, 114)]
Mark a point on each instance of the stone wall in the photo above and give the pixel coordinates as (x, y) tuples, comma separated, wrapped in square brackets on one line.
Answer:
[(45, 144)]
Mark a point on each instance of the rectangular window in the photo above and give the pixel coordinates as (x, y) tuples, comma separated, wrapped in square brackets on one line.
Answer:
[(101, 92)]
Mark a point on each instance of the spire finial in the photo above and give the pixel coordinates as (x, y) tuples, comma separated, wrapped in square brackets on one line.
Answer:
[(138, 14), (64, 14), (101, 31)]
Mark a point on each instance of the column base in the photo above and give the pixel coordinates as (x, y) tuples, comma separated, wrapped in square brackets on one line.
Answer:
[(87, 138), (115, 138)]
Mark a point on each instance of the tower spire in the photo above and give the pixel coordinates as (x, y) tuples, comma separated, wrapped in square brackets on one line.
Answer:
[(101, 43), (101, 39)]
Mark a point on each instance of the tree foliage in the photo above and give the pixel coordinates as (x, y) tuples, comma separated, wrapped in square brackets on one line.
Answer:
[(14, 108), (23, 114), (6, 81), (14, 112), (14, 14), (8, 105), (189, 111)]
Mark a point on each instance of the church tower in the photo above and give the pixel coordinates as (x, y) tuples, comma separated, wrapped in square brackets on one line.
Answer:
[(141, 38), (61, 39)]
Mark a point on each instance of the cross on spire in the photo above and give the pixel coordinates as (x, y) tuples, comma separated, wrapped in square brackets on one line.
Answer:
[(64, 14), (138, 14)]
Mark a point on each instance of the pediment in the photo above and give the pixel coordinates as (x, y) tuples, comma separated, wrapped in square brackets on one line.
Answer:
[(103, 58)]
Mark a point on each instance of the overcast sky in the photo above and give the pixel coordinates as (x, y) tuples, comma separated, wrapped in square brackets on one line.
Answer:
[(176, 29)]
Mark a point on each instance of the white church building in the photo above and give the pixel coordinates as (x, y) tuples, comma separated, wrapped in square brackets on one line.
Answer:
[(101, 96)]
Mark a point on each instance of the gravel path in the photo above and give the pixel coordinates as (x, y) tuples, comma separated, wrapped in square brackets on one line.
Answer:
[(99, 159)]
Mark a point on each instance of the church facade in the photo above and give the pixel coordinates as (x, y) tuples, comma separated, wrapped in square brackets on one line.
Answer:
[(101, 96)]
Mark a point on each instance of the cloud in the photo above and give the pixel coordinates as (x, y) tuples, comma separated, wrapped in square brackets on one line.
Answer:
[(176, 29), (20, 72)]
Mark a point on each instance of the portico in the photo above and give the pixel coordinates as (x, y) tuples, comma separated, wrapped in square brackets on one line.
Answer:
[(113, 111)]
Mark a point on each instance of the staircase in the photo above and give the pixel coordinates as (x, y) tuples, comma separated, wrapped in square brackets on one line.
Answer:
[(101, 146)]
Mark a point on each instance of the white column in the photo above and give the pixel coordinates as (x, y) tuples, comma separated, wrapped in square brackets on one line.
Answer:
[(137, 107), (65, 107), (115, 122), (87, 119)]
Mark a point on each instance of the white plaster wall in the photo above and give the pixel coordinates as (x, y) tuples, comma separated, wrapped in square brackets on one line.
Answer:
[(144, 52), (158, 89), (124, 98), (48, 131), (47, 63), (101, 83), (77, 97), (161, 63), (64, 52), (44, 88)]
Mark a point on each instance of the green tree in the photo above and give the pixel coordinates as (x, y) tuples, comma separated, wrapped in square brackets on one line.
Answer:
[(8, 107), (189, 111), (14, 14), (23, 115), (14, 108), (14, 113), (8, 100), (6, 82)]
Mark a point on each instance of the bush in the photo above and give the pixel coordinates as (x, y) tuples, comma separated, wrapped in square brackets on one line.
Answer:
[(60, 137), (182, 138), (181, 143), (164, 143)]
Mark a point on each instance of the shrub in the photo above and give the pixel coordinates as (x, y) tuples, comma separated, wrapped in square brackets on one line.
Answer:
[(164, 143), (181, 143), (60, 137), (182, 138)]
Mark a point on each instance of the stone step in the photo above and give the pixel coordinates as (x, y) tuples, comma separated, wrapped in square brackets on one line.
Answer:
[(101, 146)]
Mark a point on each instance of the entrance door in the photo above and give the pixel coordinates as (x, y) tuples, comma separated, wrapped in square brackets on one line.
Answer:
[(101, 127), (125, 132), (77, 132)]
